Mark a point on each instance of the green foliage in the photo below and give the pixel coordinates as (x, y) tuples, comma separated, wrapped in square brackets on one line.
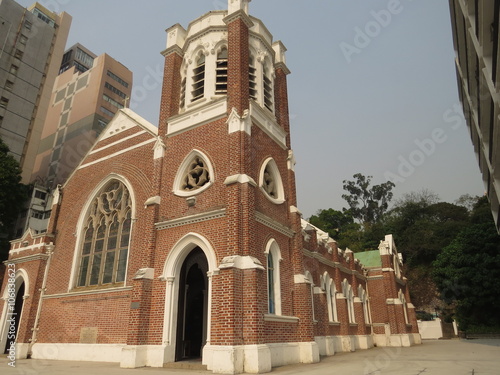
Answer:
[(367, 204), (12, 196), (467, 272), (334, 222), (422, 227)]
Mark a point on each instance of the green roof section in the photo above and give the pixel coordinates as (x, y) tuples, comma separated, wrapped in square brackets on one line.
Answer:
[(369, 258)]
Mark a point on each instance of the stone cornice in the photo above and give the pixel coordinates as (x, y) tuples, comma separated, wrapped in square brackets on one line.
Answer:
[(273, 224), (216, 214), (174, 49), (25, 259), (240, 14), (283, 67)]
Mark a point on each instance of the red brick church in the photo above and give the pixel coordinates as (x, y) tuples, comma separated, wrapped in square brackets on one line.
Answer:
[(184, 240)]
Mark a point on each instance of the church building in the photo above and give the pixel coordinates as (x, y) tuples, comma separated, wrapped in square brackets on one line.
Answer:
[(184, 241)]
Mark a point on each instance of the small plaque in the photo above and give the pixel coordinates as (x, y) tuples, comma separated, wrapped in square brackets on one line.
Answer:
[(88, 335)]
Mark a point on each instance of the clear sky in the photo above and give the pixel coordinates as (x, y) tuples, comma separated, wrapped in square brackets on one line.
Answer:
[(373, 86)]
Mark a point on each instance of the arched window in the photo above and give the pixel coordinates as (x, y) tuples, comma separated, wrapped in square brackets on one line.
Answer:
[(273, 277), (268, 87), (198, 79), (363, 296), (104, 250), (402, 298), (311, 287), (331, 297), (348, 294), (252, 78), (221, 72)]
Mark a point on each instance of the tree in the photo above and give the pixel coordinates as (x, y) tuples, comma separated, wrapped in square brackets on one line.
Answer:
[(467, 272), (339, 225), (367, 204), (12, 197)]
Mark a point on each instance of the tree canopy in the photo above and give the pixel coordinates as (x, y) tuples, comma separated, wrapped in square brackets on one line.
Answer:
[(12, 196), (367, 203), (467, 271)]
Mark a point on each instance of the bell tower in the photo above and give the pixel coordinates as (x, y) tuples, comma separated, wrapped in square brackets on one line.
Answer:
[(227, 176)]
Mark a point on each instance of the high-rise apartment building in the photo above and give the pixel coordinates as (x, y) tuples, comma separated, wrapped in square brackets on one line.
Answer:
[(476, 41), (32, 43), (85, 97)]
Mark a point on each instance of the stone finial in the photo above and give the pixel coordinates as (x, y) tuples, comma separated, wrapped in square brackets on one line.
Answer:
[(236, 5)]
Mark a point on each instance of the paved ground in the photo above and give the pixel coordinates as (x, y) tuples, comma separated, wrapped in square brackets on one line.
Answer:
[(433, 357)]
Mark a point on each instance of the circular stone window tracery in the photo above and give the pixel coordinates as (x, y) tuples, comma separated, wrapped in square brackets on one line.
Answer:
[(194, 175)]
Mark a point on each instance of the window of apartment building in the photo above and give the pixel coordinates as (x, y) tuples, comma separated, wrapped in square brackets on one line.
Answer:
[(40, 194), (4, 102), (117, 79), (43, 17), (23, 39), (27, 25), (112, 101), (1, 120), (115, 90), (84, 57), (9, 85), (37, 214), (13, 69), (107, 111), (18, 54)]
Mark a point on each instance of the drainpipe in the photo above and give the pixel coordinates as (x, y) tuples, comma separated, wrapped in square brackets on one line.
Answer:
[(50, 249)]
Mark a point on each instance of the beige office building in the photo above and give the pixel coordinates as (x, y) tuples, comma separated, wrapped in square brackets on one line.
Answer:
[(81, 105), (32, 43)]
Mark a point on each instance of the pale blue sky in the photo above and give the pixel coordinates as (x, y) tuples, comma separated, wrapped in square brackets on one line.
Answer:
[(382, 104)]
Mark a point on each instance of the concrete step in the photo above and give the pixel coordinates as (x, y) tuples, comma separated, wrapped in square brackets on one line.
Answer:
[(186, 365)]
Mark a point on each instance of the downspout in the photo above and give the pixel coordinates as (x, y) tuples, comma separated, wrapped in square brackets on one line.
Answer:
[(50, 249), (57, 197)]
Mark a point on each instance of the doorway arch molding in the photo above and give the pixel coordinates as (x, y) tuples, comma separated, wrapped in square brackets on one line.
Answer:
[(171, 274)]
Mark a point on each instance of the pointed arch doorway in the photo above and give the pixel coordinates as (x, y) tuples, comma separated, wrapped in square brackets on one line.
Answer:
[(11, 329), (192, 307)]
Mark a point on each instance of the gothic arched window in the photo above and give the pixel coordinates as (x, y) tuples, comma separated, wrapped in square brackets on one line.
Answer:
[(198, 79), (106, 237), (252, 78), (268, 87), (221, 72), (273, 254), (194, 175)]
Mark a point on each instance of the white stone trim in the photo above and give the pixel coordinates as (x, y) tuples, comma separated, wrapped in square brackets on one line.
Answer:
[(171, 274), (197, 117), (152, 200), (241, 262), (258, 358), (268, 124), (267, 221), (181, 172), (144, 273), (280, 192), (237, 123), (121, 140), (290, 161), (241, 178), (78, 352), (122, 151), (216, 214)]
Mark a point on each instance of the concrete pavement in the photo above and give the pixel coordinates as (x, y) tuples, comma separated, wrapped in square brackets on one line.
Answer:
[(433, 357)]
